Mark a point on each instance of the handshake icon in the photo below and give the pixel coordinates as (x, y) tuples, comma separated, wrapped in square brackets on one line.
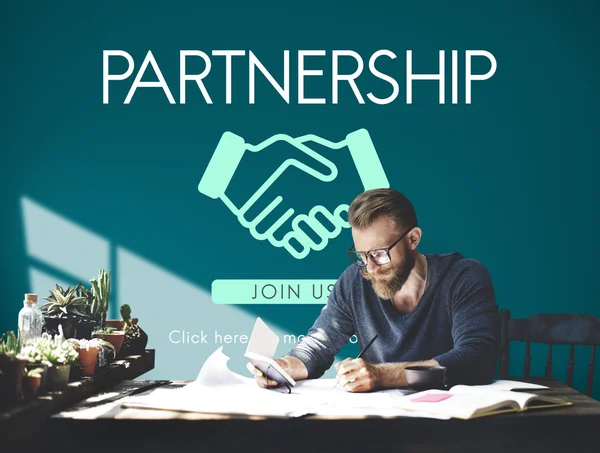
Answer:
[(228, 156)]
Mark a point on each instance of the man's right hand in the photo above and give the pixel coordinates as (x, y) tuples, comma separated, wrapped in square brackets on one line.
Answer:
[(291, 365), (261, 379)]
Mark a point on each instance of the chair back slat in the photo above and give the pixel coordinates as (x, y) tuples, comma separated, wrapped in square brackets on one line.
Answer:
[(527, 369), (549, 362), (570, 366), (550, 329), (590, 375), (504, 344), (556, 329)]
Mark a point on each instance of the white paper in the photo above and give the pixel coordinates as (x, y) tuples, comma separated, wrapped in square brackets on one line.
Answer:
[(263, 340), (323, 390), (231, 399), (215, 373), (219, 390)]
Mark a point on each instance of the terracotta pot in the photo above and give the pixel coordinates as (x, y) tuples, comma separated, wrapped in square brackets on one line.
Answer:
[(115, 338), (32, 366), (31, 386), (88, 358), (58, 377)]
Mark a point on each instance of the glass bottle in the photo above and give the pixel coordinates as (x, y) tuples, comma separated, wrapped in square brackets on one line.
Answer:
[(30, 319)]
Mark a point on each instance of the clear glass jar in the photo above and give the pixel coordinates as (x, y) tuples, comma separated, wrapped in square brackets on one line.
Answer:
[(30, 319)]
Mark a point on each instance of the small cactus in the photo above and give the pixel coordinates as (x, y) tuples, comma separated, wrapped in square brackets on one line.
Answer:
[(10, 345), (133, 333), (126, 313), (101, 292)]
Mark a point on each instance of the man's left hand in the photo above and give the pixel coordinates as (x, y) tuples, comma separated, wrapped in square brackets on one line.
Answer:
[(356, 375)]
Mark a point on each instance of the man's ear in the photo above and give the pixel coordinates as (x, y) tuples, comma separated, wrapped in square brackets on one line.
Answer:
[(414, 237)]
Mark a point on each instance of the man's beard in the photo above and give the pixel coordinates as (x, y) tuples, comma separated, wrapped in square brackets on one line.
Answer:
[(386, 289)]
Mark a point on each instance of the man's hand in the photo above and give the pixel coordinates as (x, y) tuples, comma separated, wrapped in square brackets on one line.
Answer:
[(356, 375), (291, 365), (261, 379)]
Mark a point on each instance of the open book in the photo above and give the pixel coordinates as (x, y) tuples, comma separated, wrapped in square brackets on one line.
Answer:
[(260, 351), (466, 402)]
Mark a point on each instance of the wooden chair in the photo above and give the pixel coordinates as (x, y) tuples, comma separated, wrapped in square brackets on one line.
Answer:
[(550, 329)]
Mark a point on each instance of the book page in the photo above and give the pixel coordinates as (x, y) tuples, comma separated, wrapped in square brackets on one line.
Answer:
[(509, 385), (521, 398), (457, 404)]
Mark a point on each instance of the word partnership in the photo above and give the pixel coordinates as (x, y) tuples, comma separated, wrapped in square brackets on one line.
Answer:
[(318, 60)]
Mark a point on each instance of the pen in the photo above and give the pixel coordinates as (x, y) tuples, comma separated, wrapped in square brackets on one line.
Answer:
[(360, 354)]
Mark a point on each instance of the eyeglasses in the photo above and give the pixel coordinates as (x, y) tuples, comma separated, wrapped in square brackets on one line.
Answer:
[(378, 256)]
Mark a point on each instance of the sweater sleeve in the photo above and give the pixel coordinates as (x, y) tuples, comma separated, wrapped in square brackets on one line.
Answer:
[(475, 328), (331, 330)]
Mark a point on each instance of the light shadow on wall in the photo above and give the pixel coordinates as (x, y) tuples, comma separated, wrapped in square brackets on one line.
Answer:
[(169, 308)]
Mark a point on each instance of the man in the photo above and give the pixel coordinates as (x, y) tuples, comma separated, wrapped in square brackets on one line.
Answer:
[(425, 309)]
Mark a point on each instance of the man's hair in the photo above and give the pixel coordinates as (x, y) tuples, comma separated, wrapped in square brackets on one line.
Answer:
[(372, 204)]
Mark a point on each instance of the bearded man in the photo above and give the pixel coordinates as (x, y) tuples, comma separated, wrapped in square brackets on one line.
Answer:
[(425, 309)]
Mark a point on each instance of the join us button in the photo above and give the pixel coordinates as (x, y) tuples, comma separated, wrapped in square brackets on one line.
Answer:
[(233, 292)]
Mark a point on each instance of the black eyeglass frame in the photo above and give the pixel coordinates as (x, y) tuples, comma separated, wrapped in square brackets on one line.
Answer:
[(368, 252)]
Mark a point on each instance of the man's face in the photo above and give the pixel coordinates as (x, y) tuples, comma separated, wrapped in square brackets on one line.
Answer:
[(389, 278)]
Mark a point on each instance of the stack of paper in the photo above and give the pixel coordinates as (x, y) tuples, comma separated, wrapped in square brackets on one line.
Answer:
[(219, 390)]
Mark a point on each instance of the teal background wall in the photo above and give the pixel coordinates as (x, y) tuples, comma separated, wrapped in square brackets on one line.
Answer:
[(509, 180)]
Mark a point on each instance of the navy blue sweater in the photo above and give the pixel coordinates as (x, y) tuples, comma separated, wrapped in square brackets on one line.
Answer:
[(455, 322)]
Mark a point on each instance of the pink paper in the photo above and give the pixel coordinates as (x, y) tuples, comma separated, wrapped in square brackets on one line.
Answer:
[(432, 398)]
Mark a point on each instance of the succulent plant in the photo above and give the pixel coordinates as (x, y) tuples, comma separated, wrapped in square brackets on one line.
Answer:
[(133, 333), (87, 295), (64, 302), (87, 344), (54, 350), (35, 372), (101, 292), (10, 345), (105, 330), (126, 316)]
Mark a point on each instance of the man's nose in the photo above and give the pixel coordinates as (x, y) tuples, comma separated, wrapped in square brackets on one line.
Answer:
[(371, 266)]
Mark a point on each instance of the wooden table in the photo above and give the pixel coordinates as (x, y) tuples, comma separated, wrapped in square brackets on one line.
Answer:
[(573, 429)]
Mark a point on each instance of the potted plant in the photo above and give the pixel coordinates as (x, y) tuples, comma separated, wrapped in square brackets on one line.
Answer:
[(136, 339), (88, 355), (32, 380), (64, 308), (101, 292), (60, 354), (110, 334), (87, 323), (11, 366), (106, 352), (32, 352)]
